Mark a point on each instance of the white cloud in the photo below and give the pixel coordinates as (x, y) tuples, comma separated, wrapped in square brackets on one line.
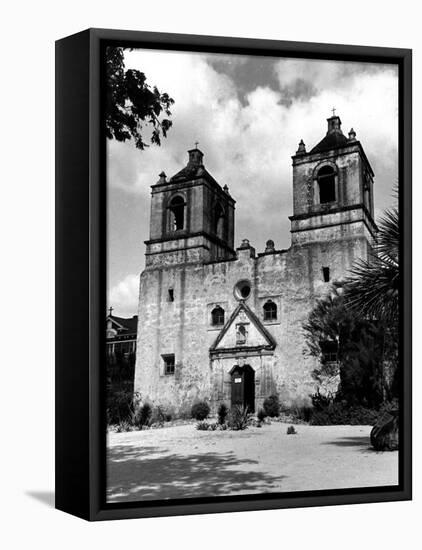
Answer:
[(123, 297)]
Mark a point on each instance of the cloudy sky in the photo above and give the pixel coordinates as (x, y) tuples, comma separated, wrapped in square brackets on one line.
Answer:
[(248, 114)]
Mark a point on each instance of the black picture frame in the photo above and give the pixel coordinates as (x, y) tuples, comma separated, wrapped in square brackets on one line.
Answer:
[(80, 273)]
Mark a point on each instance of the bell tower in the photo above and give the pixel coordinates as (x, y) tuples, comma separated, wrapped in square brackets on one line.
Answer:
[(333, 200), (332, 185), (192, 217)]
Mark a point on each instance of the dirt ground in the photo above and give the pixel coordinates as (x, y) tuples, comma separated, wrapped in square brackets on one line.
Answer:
[(182, 462)]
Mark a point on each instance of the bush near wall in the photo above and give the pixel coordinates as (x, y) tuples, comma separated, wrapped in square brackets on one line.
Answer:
[(337, 413), (271, 406), (239, 418), (121, 405), (143, 416), (200, 410)]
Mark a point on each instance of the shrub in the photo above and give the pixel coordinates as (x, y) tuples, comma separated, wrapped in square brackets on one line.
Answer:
[(120, 406), (207, 426), (200, 410), (291, 430), (143, 416), (272, 406), (239, 418), (123, 426), (261, 415), (223, 411), (340, 413), (203, 425)]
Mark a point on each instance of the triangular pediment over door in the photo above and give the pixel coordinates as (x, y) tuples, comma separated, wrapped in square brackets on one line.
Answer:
[(243, 331)]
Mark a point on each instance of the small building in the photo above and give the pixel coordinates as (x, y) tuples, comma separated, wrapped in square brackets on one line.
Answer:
[(225, 324), (121, 334)]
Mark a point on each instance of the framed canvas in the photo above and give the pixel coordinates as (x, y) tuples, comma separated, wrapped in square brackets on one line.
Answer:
[(233, 274)]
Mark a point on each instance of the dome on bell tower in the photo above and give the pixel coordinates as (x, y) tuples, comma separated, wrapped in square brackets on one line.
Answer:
[(334, 137)]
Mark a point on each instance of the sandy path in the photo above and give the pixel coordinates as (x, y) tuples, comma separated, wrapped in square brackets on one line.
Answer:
[(182, 462)]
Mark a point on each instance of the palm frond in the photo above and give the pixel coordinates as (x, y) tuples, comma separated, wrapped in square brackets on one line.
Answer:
[(373, 289), (388, 240)]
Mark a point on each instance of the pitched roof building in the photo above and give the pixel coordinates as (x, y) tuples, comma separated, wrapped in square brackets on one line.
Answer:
[(121, 334)]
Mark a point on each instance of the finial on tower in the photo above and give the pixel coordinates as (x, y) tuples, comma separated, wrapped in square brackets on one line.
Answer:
[(301, 150), (195, 156), (110, 311), (334, 123), (162, 177), (352, 135)]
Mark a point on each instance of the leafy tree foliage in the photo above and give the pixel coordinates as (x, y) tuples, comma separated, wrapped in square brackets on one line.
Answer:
[(121, 369), (360, 350), (132, 105)]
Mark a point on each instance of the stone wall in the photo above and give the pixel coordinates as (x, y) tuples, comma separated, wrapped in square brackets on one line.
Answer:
[(191, 271), (292, 279)]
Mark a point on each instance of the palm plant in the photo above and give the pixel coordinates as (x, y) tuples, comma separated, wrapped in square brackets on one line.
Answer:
[(373, 285)]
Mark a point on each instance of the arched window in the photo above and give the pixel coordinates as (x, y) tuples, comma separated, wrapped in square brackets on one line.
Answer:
[(327, 184), (219, 221), (217, 316), (270, 311), (177, 214)]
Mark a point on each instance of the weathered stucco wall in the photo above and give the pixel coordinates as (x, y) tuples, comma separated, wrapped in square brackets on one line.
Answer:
[(292, 279)]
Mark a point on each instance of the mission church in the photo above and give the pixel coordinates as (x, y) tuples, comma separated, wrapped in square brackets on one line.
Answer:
[(224, 324)]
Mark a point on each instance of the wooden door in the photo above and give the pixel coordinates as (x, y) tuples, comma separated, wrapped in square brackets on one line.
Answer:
[(237, 387), (243, 387)]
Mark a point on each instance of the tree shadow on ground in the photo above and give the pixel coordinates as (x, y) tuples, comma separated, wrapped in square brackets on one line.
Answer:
[(151, 474), (357, 441)]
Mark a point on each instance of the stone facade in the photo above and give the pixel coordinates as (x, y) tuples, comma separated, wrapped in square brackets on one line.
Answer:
[(226, 325)]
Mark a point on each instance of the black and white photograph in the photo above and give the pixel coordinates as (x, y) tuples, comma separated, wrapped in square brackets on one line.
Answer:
[(252, 330), (210, 234)]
